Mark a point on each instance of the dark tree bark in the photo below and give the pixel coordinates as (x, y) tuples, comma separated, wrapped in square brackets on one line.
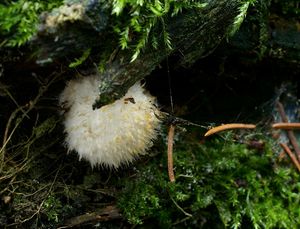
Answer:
[(194, 34)]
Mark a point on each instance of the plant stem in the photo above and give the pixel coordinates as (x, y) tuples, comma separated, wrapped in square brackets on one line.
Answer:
[(170, 153)]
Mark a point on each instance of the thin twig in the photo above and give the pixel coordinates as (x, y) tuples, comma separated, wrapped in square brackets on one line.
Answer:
[(281, 155), (14, 101), (180, 208), (39, 208), (12, 174), (171, 119), (287, 126), (8, 186), (290, 133), (170, 153), (5, 138), (292, 156), (229, 127), (29, 107), (101, 191)]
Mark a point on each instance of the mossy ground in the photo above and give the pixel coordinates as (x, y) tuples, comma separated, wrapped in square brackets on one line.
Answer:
[(233, 179), (222, 181)]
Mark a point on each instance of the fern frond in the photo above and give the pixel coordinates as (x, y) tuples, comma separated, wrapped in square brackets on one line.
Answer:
[(140, 19)]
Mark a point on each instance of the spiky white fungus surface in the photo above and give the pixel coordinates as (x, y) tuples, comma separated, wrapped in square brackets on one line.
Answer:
[(114, 134)]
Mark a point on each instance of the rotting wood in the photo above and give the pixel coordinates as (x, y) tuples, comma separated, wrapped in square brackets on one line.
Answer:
[(108, 213)]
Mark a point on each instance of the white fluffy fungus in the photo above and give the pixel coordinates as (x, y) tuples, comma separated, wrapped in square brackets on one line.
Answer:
[(114, 134)]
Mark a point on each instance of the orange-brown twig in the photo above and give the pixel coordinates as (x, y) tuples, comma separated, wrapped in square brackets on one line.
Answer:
[(287, 126), (290, 133), (292, 156), (229, 127), (170, 153), (281, 155)]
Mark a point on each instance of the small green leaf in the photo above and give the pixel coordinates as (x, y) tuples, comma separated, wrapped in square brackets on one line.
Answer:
[(79, 61), (118, 6)]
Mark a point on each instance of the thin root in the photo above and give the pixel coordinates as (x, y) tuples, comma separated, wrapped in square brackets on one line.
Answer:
[(170, 153), (291, 155), (286, 126), (290, 133), (229, 127)]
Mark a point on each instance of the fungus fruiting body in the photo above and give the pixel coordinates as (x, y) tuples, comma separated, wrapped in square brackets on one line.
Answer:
[(114, 134)]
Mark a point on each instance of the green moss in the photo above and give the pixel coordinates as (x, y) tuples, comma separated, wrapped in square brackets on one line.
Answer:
[(240, 183), (221, 182)]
